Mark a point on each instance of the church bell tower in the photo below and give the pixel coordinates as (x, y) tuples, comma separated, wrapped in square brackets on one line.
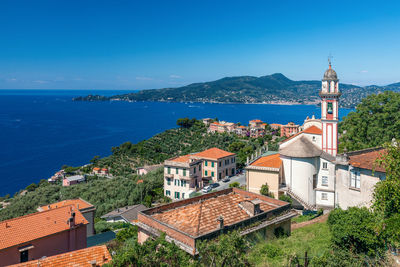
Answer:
[(329, 111)]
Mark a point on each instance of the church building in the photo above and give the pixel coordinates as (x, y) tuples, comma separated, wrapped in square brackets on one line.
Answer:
[(311, 171)]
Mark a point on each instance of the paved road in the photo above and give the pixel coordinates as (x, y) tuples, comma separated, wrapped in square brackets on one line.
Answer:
[(241, 179)]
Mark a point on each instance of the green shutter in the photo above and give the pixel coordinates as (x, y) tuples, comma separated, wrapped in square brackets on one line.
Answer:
[(212, 174), (206, 163), (212, 164), (205, 173), (169, 170)]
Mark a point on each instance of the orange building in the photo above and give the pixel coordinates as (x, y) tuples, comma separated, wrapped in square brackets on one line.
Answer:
[(87, 257), (289, 129), (40, 234)]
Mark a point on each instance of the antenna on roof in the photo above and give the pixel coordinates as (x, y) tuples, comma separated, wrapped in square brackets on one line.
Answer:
[(330, 60)]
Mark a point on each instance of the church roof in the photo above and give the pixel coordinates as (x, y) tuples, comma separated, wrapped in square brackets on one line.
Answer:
[(302, 147), (310, 130), (330, 74)]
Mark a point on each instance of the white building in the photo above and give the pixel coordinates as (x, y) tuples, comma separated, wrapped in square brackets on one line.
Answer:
[(314, 174)]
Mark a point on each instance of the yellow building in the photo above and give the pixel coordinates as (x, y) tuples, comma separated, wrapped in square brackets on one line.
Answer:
[(265, 170)]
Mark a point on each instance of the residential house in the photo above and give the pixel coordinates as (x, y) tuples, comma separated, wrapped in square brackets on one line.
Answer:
[(356, 176), (57, 176), (289, 129), (257, 128), (146, 169), (189, 221), (222, 127), (207, 121), (241, 131), (86, 209), (216, 163), (268, 170), (182, 176), (91, 257), (126, 214), (40, 234), (101, 171), (71, 180)]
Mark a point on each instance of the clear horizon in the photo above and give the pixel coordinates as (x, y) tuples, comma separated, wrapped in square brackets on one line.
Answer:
[(132, 45)]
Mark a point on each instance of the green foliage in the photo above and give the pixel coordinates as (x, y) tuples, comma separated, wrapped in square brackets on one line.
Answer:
[(343, 257), (375, 121), (31, 187), (355, 229), (387, 198), (234, 184), (315, 239), (228, 250), (286, 198), (102, 226), (264, 190), (105, 194), (156, 252), (390, 161), (185, 122), (125, 234)]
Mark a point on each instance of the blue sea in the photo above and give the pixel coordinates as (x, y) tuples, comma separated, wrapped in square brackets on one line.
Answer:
[(41, 130)]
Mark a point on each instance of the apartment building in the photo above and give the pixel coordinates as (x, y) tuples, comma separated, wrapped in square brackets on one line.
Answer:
[(182, 176), (217, 163), (186, 174)]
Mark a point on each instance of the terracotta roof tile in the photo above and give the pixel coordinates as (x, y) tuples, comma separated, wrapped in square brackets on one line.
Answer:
[(311, 130), (77, 203), (83, 257), (367, 160), (184, 158), (201, 217), (37, 225), (213, 153), (271, 161)]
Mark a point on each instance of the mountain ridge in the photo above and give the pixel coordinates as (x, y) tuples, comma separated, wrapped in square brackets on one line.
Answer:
[(273, 89)]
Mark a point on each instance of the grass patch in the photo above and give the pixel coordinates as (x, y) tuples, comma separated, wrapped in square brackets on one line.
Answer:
[(315, 239), (303, 218)]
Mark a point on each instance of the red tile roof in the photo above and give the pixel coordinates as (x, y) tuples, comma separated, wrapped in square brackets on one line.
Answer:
[(184, 158), (97, 255), (367, 160), (200, 217), (271, 161), (311, 130), (96, 169), (256, 120), (76, 203), (213, 153), (37, 225)]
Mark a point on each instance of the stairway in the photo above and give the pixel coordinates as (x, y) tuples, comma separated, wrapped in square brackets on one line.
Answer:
[(299, 199)]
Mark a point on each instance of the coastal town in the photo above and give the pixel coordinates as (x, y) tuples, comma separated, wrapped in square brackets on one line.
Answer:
[(199, 133), (207, 194)]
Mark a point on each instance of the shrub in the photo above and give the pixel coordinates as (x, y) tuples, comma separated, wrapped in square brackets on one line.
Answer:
[(355, 229), (234, 184), (286, 198)]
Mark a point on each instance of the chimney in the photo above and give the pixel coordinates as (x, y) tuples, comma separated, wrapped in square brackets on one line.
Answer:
[(220, 219), (251, 207), (48, 206), (93, 263), (71, 220)]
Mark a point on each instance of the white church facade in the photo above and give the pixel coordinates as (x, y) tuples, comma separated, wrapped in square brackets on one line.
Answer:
[(313, 172)]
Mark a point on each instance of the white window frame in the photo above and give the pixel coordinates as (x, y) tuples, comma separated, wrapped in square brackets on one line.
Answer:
[(324, 178), (324, 196), (355, 179), (325, 165)]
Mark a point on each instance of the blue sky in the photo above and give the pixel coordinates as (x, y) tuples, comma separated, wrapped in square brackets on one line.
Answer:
[(152, 44)]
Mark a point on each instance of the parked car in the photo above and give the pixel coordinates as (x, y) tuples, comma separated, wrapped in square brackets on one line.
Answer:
[(214, 185), (226, 179), (206, 189)]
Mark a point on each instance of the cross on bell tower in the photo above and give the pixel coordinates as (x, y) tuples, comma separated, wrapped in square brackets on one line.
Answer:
[(330, 110)]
